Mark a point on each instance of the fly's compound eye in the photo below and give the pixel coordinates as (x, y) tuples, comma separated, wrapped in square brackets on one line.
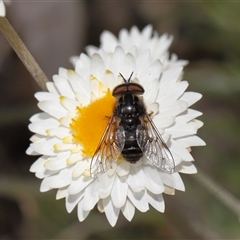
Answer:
[(128, 88)]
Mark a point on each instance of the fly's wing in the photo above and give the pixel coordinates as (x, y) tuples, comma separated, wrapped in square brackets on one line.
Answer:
[(109, 148), (153, 146)]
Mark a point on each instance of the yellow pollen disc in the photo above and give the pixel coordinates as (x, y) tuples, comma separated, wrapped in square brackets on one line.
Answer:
[(89, 124)]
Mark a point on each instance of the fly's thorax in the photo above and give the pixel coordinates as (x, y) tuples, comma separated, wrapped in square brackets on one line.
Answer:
[(129, 108)]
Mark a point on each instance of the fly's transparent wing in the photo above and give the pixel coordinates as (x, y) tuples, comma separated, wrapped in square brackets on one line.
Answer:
[(109, 148), (153, 146)]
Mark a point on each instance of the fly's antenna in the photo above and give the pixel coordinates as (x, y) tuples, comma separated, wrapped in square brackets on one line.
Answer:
[(130, 77), (125, 80), (123, 77)]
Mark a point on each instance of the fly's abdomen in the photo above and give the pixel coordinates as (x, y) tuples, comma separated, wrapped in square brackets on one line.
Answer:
[(131, 151)]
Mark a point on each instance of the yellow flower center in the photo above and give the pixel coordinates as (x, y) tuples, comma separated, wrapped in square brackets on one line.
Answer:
[(89, 124)]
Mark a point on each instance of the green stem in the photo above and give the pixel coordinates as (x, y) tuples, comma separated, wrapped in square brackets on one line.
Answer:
[(222, 194)]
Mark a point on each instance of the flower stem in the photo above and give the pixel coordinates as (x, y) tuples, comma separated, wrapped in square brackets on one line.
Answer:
[(222, 194), (23, 53)]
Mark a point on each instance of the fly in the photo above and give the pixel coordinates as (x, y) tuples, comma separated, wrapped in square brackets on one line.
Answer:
[(131, 133)]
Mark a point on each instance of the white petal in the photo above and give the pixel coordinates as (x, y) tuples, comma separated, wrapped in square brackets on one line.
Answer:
[(163, 44), (66, 120), (197, 123), (58, 162), (163, 120), (105, 185), (77, 185), (173, 108), (109, 80), (151, 91), (53, 108), (81, 87), (152, 72), (110, 211), (72, 200), (117, 60), (41, 96), (62, 179), (147, 33), (129, 66), (100, 206), (188, 115), (136, 179), (63, 72), (179, 151), (60, 132), (153, 181), (172, 91), (74, 158), (133, 51), (106, 57), (45, 184), (62, 193), (2, 9), (80, 168), (42, 126), (191, 141), (69, 103), (156, 201), (63, 86), (38, 138), (139, 200), (45, 147), (119, 192), (43, 173), (90, 49), (108, 41), (52, 88), (174, 62), (39, 117), (134, 33), (169, 190), (173, 180), (123, 168), (170, 76), (61, 146), (181, 130), (84, 98), (39, 163), (142, 62), (39, 168), (187, 168), (191, 97), (83, 66), (123, 36), (90, 196), (112, 170), (81, 213), (128, 210), (97, 67), (153, 108)]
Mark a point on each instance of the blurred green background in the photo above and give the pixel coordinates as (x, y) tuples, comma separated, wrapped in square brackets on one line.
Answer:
[(207, 33)]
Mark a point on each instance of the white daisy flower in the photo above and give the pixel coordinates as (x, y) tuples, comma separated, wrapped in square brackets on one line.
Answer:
[(2, 9), (76, 111)]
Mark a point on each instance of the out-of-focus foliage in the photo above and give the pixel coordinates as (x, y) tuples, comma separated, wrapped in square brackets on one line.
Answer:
[(207, 34)]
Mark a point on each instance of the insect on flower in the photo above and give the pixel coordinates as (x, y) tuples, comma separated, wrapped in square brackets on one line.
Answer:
[(131, 133)]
